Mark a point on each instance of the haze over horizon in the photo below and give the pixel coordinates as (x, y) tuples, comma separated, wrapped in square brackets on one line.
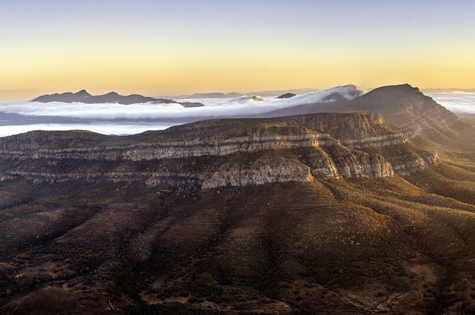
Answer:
[(182, 47)]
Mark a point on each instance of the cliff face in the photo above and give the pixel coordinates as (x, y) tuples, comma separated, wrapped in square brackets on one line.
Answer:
[(407, 107), (217, 153)]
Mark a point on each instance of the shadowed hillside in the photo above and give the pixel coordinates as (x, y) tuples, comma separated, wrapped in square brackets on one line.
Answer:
[(341, 245)]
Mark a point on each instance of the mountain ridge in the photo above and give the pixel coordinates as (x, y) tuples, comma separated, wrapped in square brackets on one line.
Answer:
[(112, 97), (403, 106), (412, 109), (336, 153)]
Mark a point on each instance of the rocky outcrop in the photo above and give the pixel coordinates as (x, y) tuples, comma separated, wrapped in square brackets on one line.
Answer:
[(265, 172), (196, 148), (260, 171), (217, 153)]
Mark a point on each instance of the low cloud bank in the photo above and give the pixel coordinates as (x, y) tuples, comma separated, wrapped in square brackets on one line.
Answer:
[(19, 117), (455, 101), (241, 106)]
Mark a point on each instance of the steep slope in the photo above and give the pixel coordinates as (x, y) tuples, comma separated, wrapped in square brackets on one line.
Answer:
[(406, 107), (403, 106), (278, 150)]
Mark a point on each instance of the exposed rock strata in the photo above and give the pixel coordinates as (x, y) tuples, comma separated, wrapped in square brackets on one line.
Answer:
[(223, 152), (405, 107)]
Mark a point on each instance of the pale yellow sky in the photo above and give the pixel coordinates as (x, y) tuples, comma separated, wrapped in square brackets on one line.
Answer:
[(157, 48), (156, 77)]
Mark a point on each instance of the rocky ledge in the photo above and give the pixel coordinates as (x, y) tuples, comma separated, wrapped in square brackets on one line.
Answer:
[(209, 154)]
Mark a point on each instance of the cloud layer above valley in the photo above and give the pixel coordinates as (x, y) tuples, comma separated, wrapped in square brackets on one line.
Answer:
[(19, 117), (241, 106), (455, 101)]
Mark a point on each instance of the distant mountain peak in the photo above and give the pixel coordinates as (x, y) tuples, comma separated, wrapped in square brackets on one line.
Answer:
[(82, 92), (400, 88), (406, 106), (286, 95), (112, 97), (216, 95)]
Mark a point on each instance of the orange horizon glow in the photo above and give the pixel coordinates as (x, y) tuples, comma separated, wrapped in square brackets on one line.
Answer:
[(160, 48), (224, 79)]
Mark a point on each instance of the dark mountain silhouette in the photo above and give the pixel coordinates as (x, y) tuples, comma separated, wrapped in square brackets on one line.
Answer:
[(286, 95), (84, 97)]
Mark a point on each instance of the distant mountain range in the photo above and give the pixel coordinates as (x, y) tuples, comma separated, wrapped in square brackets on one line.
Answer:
[(215, 95), (261, 93), (84, 97)]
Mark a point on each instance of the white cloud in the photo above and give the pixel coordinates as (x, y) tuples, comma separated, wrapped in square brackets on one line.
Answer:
[(136, 118), (456, 101), (234, 107)]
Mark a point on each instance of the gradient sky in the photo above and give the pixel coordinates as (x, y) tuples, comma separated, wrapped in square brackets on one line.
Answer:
[(186, 46)]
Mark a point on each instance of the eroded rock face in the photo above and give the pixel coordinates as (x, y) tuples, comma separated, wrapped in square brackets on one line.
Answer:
[(216, 153)]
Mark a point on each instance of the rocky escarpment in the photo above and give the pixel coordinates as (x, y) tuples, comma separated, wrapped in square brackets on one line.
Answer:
[(407, 107), (342, 126), (208, 154)]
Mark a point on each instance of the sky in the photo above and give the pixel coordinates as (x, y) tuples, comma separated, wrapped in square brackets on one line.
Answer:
[(186, 46)]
